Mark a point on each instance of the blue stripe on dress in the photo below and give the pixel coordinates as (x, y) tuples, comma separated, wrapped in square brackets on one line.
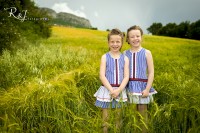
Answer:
[(111, 69), (113, 104), (141, 68), (102, 93)]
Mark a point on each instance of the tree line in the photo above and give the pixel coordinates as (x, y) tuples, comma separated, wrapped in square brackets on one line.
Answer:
[(182, 30), (21, 21)]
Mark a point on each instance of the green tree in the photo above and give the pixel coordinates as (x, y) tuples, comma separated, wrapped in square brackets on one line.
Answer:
[(195, 30), (21, 19), (182, 29), (168, 30), (154, 28)]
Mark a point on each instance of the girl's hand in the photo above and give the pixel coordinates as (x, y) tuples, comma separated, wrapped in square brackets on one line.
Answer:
[(111, 92), (115, 93), (145, 93)]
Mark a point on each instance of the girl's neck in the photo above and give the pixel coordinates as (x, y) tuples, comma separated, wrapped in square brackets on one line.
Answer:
[(115, 54), (135, 49)]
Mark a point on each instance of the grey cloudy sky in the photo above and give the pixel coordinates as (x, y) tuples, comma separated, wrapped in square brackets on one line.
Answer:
[(108, 14)]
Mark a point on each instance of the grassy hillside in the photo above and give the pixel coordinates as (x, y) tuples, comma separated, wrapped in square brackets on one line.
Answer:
[(50, 87)]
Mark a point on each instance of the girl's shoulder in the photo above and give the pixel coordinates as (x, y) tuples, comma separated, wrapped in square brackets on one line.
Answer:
[(147, 51), (126, 52), (126, 58), (124, 55), (106, 54), (103, 57)]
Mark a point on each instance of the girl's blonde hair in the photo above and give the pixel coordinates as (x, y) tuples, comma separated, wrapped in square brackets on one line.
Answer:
[(116, 32)]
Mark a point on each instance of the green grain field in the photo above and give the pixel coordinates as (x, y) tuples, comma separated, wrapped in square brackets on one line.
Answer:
[(49, 87)]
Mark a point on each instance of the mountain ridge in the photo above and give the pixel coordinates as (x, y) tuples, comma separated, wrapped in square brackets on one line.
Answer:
[(66, 19)]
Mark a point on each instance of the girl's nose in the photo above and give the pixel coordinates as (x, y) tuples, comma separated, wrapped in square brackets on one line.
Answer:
[(115, 43)]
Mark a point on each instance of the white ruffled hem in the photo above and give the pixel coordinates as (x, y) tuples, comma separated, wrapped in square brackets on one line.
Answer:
[(140, 94), (136, 99), (103, 95)]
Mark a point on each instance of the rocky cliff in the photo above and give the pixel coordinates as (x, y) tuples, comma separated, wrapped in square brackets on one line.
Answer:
[(66, 19)]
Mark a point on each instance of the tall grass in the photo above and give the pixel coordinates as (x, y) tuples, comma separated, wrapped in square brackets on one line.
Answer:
[(39, 62), (50, 87), (49, 102), (178, 84)]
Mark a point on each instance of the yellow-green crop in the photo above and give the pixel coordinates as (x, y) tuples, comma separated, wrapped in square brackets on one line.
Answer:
[(49, 87)]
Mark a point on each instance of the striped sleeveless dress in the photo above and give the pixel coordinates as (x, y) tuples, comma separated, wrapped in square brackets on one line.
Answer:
[(138, 77), (114, 74)]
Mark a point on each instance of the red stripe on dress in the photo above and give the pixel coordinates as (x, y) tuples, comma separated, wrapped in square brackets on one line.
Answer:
[(138, 79), (114, 85), (116, 71), (133, 65)]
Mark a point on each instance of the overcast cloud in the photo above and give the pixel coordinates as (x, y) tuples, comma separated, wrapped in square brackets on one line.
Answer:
[(108, 14)]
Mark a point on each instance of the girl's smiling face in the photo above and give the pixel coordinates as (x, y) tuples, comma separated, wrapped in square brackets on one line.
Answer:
[(134, 38), (115, 43)]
